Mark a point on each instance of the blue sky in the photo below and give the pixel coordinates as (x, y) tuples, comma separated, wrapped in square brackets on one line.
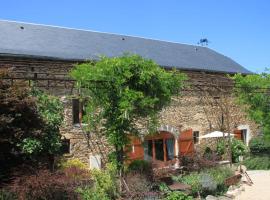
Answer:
[(239, 29)]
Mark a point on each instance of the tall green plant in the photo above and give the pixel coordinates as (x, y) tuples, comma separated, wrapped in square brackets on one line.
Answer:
[(122, 90), (252, 91), (50, 111)]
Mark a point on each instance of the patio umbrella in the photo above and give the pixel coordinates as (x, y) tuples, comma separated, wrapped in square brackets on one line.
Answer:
[(215, 134)]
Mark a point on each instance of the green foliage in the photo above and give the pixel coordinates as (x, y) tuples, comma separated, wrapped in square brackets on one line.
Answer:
[(238, 149), (173, 195), (122, 90), (221, 147), (6, 195), (259, 145), (193, 179), (105, 185), (252, 92), (64, 164), (177, 195), (209, 181), (207, 153), (140, 166), (30, 121), (50, 112), (31, 146), (89, 193), (257, 163), (219, 174), (164, 188)]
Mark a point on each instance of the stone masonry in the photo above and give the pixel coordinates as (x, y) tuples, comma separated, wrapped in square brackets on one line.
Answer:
[(200, 107)]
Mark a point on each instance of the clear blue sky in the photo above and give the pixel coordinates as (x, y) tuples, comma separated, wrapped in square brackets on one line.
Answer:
[(239, 29)]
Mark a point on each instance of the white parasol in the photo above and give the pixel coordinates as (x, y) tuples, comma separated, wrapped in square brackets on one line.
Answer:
[(216, 134)]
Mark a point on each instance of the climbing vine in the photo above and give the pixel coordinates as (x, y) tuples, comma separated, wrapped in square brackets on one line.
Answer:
[(122, 90)]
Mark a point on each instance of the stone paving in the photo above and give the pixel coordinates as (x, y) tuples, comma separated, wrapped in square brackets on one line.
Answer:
[(260, 190)]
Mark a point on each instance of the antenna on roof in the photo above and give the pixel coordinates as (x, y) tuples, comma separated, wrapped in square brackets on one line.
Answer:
[(203, 42)]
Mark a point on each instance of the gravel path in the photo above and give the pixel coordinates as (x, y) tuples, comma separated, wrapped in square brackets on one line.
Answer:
[(260, 190)]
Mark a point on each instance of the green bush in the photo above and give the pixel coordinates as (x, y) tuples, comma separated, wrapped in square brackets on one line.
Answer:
[(90, 193), (193, 179), (259, 145), (238, 149), (6, 195), (64, 164), (257, 163), (140, 166), (221, 147), (105, 185), (219, 174), (177, 195), (208, 184), (209, 181)]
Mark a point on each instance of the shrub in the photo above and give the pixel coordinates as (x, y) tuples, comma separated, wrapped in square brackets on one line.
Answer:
[(140, 166), (221, 147), (219, 174), (209, 181), (192, 179), (195, 163), (257, 163), (46, 185), (139, 185), (90, 193), (259, 145), (177, 195), (7, 195), (207, 153), (104, 187), (77, 163), (238, 149)]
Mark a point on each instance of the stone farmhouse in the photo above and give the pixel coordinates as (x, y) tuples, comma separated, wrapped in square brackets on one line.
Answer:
[(45, 55)]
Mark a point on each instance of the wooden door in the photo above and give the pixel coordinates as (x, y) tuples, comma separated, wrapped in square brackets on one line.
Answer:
[(185, 141)]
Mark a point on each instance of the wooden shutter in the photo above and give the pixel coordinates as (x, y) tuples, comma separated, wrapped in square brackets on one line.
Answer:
[(135, 150), (238, 134), (185, 141)]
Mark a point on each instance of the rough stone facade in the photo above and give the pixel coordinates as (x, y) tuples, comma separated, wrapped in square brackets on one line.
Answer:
[(206, 105)]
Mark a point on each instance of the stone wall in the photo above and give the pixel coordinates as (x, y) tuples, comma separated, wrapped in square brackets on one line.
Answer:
[(199, 107)]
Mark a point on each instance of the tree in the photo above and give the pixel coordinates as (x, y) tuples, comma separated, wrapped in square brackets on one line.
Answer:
[(29, 122), (122, 90), (252, 93)]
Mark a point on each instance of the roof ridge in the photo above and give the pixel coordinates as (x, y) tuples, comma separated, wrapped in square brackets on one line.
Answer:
[(102, 32)]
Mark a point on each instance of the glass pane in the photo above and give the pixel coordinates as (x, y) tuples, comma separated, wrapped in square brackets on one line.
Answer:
[(148, 150), (170, 148), (159, 150)]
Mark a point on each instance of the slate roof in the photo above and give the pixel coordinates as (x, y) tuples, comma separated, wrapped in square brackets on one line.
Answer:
[(41, 41)]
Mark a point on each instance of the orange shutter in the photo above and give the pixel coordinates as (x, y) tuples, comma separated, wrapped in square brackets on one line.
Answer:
[(185, 141), (238, 134), (135, 150)]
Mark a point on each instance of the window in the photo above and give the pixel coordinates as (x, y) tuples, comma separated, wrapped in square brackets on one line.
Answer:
[(65, 148), (159, 148), (78, 110), (244, 136), (196, 135), (170, 148), (148, 150)]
